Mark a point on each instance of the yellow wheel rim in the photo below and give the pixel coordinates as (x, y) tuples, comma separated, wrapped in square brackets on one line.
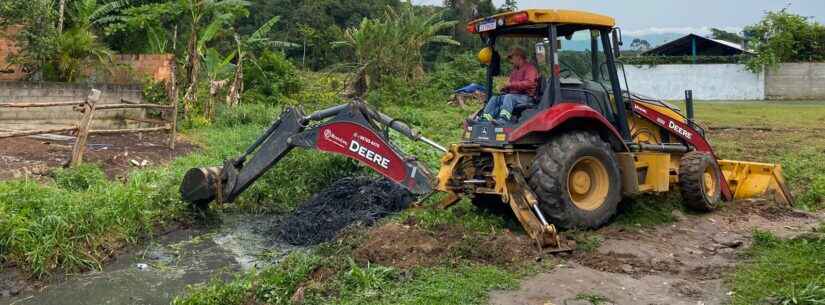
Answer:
[(588, 183), (709, 182)]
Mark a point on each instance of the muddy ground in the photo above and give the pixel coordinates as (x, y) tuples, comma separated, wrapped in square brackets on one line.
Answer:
[(406, 246), (116, 154), (685, 262)]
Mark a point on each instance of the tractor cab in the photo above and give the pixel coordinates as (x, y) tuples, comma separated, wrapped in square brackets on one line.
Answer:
[(574, 53)]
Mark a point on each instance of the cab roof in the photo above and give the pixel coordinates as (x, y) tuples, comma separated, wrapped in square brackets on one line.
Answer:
[(514, 22)]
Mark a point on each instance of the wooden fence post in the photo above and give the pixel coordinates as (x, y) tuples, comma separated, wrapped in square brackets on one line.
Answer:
[(173, 98), (83, 128)]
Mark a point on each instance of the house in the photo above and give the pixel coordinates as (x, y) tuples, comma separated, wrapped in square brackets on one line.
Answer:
[(695, 45)]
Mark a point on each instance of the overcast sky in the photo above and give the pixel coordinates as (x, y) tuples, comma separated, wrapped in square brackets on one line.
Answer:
[(681, 16)]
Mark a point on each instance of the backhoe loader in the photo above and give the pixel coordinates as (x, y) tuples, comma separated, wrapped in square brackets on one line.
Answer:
[(564, 162)]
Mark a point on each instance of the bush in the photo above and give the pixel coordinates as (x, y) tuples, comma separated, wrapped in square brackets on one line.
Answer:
[(245, 114), (785, 37), (79, 178), (43, 228), (456, 72), (270, 77), (394, 45)]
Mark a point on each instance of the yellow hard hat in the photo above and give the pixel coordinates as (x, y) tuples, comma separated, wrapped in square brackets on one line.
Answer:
[(485, 56)]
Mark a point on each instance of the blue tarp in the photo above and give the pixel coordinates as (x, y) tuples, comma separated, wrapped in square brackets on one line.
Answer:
[(471, 88)]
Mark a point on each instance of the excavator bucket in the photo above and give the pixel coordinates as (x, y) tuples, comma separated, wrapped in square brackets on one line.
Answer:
[(752, 179)]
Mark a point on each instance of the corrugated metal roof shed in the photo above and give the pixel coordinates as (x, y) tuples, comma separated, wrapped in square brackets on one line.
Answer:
[(693, 44)]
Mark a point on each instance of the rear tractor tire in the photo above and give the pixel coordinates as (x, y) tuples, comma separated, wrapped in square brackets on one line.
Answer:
[(699, 181), (576, 178)]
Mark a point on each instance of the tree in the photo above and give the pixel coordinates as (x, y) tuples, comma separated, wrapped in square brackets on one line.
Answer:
[(307, 33), (61, 15), (785, 37), (325, 19), (65, 54), (146, 26), (726, 36), (463, 11), (206, 18), (509, 6), (640, 45), (393, 45), (35, 39)]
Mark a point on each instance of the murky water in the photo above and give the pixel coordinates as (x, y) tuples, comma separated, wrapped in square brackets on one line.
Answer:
[(164, 268)]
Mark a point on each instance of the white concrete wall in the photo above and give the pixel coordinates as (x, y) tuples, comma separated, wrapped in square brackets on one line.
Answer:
[(708, 81), (796, 81)]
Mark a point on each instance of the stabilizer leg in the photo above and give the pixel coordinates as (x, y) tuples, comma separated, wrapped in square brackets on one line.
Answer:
[(525, 206)]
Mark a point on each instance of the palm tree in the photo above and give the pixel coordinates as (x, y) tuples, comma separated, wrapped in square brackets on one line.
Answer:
[(78, 46)]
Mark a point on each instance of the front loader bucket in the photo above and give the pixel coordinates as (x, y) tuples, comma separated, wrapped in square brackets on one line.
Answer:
[(752, 179)]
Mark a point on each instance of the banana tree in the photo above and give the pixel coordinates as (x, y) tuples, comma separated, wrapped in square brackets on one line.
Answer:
[(207, 18), (218, 70), (251, 45), (392, 45)]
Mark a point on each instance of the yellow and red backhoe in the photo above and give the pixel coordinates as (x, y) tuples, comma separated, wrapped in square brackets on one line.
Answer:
[(566, 161)]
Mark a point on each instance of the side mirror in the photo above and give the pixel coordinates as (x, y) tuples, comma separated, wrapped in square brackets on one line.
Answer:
[(617, 42), (541, 53)]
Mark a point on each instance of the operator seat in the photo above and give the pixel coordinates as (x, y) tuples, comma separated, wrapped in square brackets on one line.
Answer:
[(522, 109), (590, 93)]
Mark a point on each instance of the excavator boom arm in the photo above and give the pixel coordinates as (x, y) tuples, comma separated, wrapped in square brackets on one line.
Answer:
[(352, 130)]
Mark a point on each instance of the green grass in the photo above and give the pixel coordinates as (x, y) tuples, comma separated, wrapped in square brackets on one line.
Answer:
[(354, 284), (593, 299), (454, 281), (772, 114), (783, 271), (81, 219), (788, 133)]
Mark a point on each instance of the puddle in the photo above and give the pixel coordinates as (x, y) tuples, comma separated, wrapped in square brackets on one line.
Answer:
[(164, 268)]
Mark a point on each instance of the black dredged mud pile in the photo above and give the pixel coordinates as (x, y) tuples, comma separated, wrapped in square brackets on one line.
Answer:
[(346, 201)]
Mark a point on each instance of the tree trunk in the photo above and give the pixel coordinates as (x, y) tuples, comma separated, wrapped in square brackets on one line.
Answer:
[(236, 89), (192, 71), (60, 13), (304, 56)]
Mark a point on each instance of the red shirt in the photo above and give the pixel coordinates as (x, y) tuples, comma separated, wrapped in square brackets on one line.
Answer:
[(523, 80)]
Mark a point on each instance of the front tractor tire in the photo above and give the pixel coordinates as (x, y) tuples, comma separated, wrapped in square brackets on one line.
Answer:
[(576, 178), (699, 182)]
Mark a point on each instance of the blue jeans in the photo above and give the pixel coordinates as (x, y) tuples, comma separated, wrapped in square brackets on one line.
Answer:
[(501, 106)]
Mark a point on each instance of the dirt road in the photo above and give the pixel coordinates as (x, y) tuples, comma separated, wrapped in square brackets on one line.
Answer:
[(677, 264)]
